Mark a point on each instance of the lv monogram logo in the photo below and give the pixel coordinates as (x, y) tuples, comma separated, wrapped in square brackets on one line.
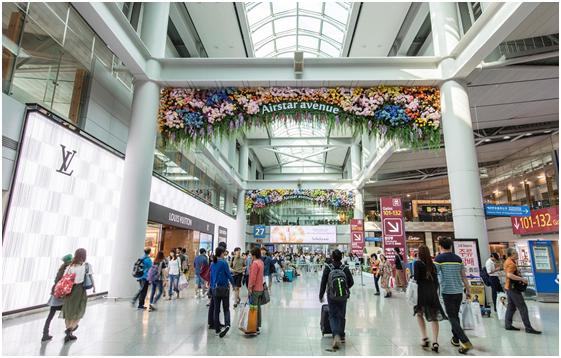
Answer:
[(67, 157)]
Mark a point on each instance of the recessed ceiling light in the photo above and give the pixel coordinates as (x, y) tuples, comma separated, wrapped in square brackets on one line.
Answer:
[(506, 137), (547, 131), (527, 134), (487, 140)]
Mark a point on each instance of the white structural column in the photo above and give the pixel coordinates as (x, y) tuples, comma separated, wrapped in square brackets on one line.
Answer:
[(240, 218), (461, 156), (139, 160), (154, 27), (358, 212), (244, 158), (135, 194), (356, 161)]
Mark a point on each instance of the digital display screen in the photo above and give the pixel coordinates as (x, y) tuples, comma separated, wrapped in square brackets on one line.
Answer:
[(321, 234)]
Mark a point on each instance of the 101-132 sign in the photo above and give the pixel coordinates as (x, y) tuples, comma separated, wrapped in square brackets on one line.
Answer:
[(540, 221)]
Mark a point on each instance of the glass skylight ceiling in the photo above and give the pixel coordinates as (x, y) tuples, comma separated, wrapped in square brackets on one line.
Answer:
[(278, 29), (299, 156)]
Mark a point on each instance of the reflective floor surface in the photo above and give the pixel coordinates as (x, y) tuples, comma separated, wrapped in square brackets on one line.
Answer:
[(375, 326)]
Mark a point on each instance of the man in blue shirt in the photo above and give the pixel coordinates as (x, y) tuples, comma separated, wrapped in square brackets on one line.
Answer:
[(265, 256), (200, 261), (143, 280), (453, 280), (220, 276)]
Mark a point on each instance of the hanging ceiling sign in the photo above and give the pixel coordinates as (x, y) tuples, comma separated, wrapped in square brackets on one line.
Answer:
[(304, 106)]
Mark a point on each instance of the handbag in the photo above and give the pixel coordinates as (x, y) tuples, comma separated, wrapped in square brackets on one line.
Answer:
[(266, 296), (221, 292), (64, 286), (412, 293), (518, 285), (88, 281)]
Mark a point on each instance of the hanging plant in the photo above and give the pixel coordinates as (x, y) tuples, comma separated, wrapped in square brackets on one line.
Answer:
[(410, 115)]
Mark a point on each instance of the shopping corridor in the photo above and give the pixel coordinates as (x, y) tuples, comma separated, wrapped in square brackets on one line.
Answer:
[(375, 326)]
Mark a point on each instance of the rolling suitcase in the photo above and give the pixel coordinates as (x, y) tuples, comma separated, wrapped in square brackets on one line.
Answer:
[(289, 275), (324, 321)]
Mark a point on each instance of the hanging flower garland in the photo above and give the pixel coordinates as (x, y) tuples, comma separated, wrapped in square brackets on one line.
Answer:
[(408, 114), (335, 199)]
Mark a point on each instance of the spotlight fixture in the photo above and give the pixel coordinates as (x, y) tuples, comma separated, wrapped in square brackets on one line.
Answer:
[(506, 137), (528, 134), (487, 140)]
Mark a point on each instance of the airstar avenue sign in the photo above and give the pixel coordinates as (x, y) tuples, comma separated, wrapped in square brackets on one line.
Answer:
[(309, 106)]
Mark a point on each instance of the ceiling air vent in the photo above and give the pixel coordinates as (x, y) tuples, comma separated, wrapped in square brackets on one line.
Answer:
[(298, 63)]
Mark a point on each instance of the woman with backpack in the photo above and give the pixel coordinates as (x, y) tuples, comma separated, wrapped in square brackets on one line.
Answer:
[(55, 303), (174, 271), (74, 306), (336, 281), (156, 279), (428, 302), (386, 275)]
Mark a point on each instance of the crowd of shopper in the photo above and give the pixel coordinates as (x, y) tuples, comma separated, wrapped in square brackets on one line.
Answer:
[(441, 284)]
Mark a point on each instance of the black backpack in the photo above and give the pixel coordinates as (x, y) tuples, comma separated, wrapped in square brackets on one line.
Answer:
[(138, 268), (337, 287), (485, 276)]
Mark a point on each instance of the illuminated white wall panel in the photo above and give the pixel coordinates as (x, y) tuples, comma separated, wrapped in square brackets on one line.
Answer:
[(52, 213)]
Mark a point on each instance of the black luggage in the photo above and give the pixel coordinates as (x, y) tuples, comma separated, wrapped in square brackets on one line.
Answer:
[(324, 322)]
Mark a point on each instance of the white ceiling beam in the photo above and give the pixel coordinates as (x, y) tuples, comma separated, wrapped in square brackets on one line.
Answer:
[(299, 142), (302, 181), (492, 28), (109, 23), (178, 15), (382, 155), (212, 72)]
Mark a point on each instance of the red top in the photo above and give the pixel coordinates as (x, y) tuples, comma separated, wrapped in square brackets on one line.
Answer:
[(256, 276)]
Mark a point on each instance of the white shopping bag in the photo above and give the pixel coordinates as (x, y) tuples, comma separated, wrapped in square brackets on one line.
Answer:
[(183, 283), (412, 293), (501, 303), (478, 327), (466, 316), (243, 318)]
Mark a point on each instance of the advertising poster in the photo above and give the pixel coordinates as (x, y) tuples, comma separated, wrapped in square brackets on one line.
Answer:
[(467, 249), (321, 234), (393, 229), (357, 237)]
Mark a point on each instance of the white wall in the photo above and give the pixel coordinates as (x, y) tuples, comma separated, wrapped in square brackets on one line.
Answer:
[(109, 109), (168, 196)]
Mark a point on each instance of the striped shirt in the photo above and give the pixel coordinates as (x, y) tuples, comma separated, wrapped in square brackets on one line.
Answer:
[(449, 267)]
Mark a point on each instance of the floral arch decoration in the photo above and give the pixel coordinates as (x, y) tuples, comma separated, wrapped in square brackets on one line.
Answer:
[(408, 114), (339, 200)]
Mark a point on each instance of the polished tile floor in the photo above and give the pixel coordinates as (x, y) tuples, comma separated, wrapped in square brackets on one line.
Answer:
[(375, 326)]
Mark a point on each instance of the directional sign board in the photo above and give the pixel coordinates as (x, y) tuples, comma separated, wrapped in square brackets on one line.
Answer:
[(507, 210), (259, 231), (537, 222), (357, 237), (392, 227)]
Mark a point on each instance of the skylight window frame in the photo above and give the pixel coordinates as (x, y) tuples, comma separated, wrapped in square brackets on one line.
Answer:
[(297, 12)]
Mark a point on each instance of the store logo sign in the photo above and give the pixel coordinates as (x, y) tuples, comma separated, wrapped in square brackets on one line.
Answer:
[(67, 156)]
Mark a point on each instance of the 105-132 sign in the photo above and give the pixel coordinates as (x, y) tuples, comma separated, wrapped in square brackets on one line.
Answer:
[(539, 222)]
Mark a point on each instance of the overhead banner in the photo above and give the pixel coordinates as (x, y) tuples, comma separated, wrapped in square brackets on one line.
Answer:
[(393, 229), (357, 237), (468, 250), (321, 234), (540, 221)]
